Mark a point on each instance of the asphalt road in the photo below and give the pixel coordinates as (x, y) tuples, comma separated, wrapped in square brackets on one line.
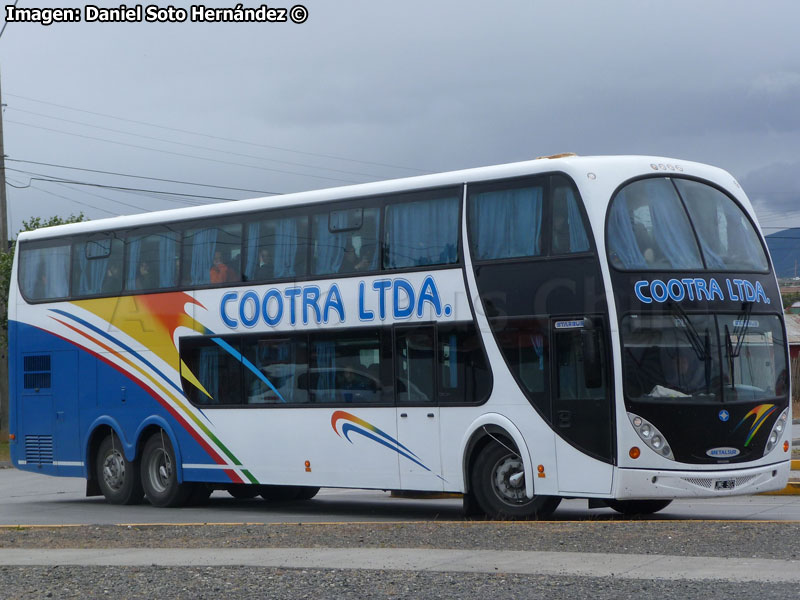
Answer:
[(30, 499), (368, 544)]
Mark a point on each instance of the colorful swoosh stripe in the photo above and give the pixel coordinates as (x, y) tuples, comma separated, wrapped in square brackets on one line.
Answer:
[(761, 414), (353, 424), (152, 322)]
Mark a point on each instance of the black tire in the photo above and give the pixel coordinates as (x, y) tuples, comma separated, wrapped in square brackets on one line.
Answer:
[(306, 492), (159, 474), (638, 507), (497, 495), (118, 478), (243, 491), (279, 493)]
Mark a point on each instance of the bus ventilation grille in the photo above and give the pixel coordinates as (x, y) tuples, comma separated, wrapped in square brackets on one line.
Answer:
[(37, 372), (708, 483), (39, 449)]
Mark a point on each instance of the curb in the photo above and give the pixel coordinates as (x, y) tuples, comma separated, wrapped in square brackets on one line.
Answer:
[(791, 489)]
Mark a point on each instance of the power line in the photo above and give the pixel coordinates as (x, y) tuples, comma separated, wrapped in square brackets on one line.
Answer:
[(219, 187), (50, 178), (214, 160), (196, 146), (221, 138), (75, 201)]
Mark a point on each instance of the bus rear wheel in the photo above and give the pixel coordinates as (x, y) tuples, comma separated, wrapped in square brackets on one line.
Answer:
[(498, 487), (117, 477), (638, 507), (160, 476)]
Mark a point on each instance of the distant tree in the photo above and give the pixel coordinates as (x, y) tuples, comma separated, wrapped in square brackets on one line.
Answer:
[(6, 261)]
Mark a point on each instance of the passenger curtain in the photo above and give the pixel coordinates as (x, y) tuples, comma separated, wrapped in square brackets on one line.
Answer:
[(326, 371), (92, 272), (507, 223), (251, 251), (204, 242), (286, 248), (167, 253), (328, 247), (671, 230), (623, 249), (422, 233), (134, 251), (578, 242)]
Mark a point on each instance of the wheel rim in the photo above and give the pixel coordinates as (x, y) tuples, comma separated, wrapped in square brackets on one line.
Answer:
[(159, 470), (506, 486), (114, 470)]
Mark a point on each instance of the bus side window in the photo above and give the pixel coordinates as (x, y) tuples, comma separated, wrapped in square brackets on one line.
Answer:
[(215, 367), (506, 222), (414, 367), (152, 260), (276, 370), (276, 248), (345, 241), (212, 255), (464, 375), (97, 266), (44, 272), (568, 233), (421, 233)]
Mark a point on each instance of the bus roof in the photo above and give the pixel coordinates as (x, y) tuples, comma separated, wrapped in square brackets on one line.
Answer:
[(620, 167)]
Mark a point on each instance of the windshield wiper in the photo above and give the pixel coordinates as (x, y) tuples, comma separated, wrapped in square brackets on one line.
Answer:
[(744, 322), (701, 346), (698, 345)]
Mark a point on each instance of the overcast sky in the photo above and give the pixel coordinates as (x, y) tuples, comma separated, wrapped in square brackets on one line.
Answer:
[(368, 90)]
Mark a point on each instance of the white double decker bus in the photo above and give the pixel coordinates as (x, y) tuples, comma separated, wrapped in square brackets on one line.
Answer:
[(607, 328)]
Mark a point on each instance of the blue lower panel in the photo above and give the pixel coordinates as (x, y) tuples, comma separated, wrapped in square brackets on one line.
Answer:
[(84, 391)]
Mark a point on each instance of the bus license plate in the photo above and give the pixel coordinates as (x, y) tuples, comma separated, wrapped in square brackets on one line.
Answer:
[(724, 484)]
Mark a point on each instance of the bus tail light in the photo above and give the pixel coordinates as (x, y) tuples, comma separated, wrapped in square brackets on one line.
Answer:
[(778, 429), (651, 436)]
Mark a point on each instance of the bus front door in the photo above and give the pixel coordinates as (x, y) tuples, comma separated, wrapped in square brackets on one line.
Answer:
[(582, 415)]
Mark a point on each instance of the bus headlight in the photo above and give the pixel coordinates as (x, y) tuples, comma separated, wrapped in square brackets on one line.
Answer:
[(777, 431), (651, 436)]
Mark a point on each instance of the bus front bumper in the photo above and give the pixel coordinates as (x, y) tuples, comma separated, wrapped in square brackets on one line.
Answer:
[(642, 484)]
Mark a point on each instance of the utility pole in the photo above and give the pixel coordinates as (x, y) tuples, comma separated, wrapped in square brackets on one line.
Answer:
[(4, 397)]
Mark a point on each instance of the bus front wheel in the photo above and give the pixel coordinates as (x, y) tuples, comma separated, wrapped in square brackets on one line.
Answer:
[(117, 477), (638, 507), (160, 476), (498, 486)]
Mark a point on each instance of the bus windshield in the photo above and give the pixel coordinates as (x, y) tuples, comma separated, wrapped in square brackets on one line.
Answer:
[(711, 358), (678, 224)]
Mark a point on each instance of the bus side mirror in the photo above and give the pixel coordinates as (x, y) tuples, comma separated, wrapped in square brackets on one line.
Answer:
[(592, 365)]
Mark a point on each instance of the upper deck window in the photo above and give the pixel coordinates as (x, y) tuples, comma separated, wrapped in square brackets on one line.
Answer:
[(726, 235), (44, 272), (649, 228), (507, 223)]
